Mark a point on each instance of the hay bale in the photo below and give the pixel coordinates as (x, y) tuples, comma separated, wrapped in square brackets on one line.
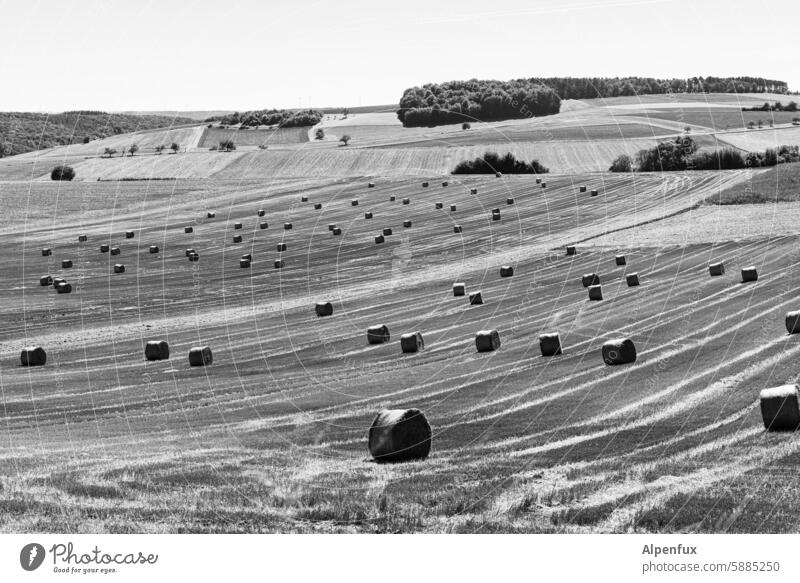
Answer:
[(459, 289), (779, 408), (406, 201), (582, 189), (412, 342), (331, 226), (550, 344), (354, 202), (200, 356), (45, 281), (279, 264), (154, 249), (237, 225), (506, 271), (452, 208), (317, 205), (189, 252), (188, 229), (244, 263), (593, 193), (263, 225), (620, 260), (210, 215), (104, 248), (287, 226), (323, 309), (261, 212), (119, 268), (406, 223), (156, 350), (367, 215), (337, 231), (392, 198), (57, 280), (64, 288), (590, 279), (538, 181), (595, 293), (571, 250), (424, 185), (303, 199), (495, 214), (749, 274), (66, 263), (82, 238), (632, 279), (46, 251), (473, 191), (194, 257), (439, 205), (129, 234), (378, 334), (716, 269), (379, 239), (387, 231), (371, 185), (115, 250), (33, 356), (457, 229), (510, 200), (398, 435), (445, 183), (475, 298), (619, 351), (792, 322), (487, 340), (281, 247)]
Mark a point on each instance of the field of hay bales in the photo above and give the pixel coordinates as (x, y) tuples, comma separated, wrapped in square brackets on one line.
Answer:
[(272, 436)]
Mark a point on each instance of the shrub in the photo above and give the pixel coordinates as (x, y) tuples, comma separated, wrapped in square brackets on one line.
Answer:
[(345, 139), (622, 163), (109, 152), (175, 146), (491, 163), (465, 126), (319, 134), (227, 145), (62, 173), (133, 149)]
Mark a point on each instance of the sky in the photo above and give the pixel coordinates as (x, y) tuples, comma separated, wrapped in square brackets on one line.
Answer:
[(253, 54)]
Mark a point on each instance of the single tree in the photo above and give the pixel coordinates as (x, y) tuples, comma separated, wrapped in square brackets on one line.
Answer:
[(175, 146), (227, 145), (133, 148), (319, 134), (160, 148), (465, 126), (345, 139), (109, 152), (62, 173), (622, 163), (87, 139)]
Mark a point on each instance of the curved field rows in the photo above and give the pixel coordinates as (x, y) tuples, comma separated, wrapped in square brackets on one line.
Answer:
[(253, 137)]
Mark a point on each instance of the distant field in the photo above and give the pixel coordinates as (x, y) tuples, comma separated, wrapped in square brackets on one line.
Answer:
[(254, 137), (777, 184), (759, 140), (745, 99), (722, 120)]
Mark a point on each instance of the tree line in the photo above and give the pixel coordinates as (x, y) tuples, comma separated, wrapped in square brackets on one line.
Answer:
[(285, 118), (492, 162), (777, 106), (595, 87)]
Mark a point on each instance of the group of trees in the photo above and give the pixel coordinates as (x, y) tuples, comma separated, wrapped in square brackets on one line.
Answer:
[(109, 152), (777, 106), (285, 118), (460, 101), (492, 162), (22, 132), (62, 172), (682, 154)]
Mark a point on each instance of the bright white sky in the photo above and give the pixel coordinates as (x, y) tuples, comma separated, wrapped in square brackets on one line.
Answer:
[(251, 54)]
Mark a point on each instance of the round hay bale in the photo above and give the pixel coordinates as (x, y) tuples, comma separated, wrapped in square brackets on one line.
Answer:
[(590, 279), (538, 181), (510, 200), (544, 185), (46, 251), (317, 206), (303, 199), (496, 215), (619, 351), (452, 208), (354, 202), (323, 309), (119, 268), (392, 198), (281, 247), (279, 264), (64, 288), (263, 225), (194, 257), (412, 342), (261, 212), (371, 185), (475, 298), (424, 185), (792, 322), (779, 408), (550, 344), (156, 350), (188, 229), (331, 226), (129, 234), (632, 279), (367, 215), (66, 263), (45, 281), (406, 223), (387, 231), (571, 250), (237, 225), (287, 226), (473, 191), (189, 252), (459, 289), (57, 280), (378, 334), (506, 271), (248, 256), (379, 239), (33, 356), (406, 201), (200, 356), (582, 189), (749, 274), (210, 215), (595, 293), (82, 238), (593, 193), (153, 249), (115, 250), (398, 435), (337, 231), (104, 248), (716, 269), (237, 238), (244, 263), (620, 260), (439, 205), (457, 229), (487, 340), (445, 183)]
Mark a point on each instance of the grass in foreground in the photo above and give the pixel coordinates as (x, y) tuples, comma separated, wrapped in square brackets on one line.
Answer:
[(780, 183)]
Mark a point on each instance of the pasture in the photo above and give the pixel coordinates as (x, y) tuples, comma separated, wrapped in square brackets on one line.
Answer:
[(272, 435)]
